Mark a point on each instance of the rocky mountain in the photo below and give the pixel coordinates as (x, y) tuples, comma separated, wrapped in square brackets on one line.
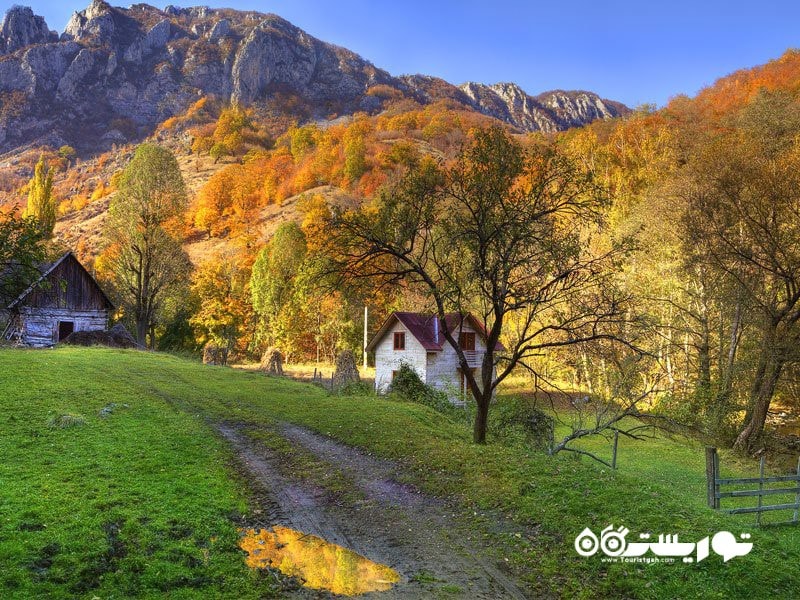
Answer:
[(550, 111), (115, 73)]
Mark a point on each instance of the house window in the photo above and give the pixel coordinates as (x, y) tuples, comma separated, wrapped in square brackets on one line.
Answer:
[(399, 340), (467, 340)]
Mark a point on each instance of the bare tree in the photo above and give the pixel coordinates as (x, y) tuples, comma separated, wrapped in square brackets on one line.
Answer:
[(509, 233), (617, 411)]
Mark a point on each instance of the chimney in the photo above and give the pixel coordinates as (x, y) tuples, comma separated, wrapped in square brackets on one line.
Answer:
[(436, 329)]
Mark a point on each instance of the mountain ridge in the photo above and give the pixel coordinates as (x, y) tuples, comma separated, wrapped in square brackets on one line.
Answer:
[(115, 73)]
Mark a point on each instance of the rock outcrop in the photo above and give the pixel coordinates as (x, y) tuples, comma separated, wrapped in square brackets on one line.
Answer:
[(551, 111), (123, 71), (21, 28)]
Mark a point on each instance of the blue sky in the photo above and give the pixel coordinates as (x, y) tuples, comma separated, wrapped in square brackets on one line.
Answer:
[(636, 52)]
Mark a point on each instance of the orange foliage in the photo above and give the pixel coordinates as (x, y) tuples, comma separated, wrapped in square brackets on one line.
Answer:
[(279, 171), (733, 92), (359, 154), (229, 199)]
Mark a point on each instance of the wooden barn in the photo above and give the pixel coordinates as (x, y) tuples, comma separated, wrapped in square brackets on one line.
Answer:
[(64, 299)]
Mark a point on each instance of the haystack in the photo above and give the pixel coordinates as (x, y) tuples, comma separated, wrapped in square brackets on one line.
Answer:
[(215, 355), (272, 362), (346, 371)]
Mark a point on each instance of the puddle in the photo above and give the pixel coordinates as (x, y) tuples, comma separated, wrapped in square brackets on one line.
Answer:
[(317, 563)]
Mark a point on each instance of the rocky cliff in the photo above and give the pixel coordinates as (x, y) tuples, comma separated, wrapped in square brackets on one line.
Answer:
[(550, 111), (114, 73)]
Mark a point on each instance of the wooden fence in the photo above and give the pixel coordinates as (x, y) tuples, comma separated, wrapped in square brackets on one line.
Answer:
[(715, 484)]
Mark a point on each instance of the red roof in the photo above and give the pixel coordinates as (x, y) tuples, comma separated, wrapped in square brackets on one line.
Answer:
[(425, 327)]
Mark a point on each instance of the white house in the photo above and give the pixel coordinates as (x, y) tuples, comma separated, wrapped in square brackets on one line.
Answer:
[(417, 340)]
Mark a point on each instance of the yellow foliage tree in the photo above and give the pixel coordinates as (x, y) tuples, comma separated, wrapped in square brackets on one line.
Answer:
[(41, 201)]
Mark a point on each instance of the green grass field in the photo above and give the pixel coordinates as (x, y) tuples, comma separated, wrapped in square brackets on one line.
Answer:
[(144, 502)]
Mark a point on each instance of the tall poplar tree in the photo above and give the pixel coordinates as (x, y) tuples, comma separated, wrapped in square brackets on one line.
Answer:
[(41, 202), (144, 250)]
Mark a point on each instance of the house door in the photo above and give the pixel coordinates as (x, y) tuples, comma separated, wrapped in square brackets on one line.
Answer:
[(64, 329)]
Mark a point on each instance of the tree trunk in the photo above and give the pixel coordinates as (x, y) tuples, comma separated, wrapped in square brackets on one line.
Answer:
[(722, 401), (481, 419), (141, 331), (704, 360), (759, 405)]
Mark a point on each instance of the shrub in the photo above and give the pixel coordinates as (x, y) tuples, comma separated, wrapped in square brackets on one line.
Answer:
[(518, 417), (408, 386)]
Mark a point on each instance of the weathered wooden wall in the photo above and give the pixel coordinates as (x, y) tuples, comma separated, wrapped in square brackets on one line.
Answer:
[(65, 293), (67, 286), (39, 326)]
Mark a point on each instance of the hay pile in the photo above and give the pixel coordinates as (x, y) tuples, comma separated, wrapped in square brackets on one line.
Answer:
[(116, 337), (272, 362), (346, 370), (215, 355)]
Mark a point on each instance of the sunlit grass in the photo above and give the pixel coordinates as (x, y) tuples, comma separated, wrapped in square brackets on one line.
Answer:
[(154, 478)]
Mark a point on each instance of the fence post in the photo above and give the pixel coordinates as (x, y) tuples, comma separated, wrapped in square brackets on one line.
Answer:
[(797, 496), (760, 489), (712, 466)]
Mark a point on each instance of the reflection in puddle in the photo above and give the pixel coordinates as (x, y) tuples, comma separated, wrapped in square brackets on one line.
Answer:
[(317, 563)]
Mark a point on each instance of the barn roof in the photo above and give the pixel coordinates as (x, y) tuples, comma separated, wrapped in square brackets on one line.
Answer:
[(47, 268), (423, 328)]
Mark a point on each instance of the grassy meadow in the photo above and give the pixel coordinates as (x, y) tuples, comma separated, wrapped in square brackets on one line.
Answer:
[(143, 501)]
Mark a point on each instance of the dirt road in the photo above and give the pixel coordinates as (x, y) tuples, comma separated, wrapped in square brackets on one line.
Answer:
[(435, 552)]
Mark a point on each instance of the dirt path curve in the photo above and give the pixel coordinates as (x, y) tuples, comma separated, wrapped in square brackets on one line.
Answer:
[(386, 521)]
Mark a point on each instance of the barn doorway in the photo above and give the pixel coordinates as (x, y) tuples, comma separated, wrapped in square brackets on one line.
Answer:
[(64, 329)]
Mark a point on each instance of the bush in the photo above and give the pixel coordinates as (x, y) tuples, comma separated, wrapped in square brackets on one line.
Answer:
[(518, 417), (408, 386)]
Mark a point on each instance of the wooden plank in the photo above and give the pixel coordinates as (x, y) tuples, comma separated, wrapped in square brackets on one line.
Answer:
[(755, 509), (758, 480), (759, 492)]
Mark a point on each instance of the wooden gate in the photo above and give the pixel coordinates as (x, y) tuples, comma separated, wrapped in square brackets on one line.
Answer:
[(787, 485)]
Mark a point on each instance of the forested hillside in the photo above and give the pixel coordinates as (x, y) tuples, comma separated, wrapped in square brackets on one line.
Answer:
[(692, 239)]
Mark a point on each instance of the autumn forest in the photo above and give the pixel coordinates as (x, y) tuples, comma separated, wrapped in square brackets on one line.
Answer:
[(653, 257)]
